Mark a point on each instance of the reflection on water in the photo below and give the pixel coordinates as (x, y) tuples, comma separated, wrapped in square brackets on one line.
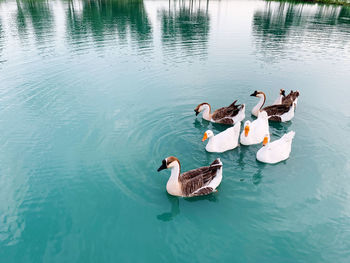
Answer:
[(187, 23), (277, 24), (184, 25), (39, 15), (105, 18), (94, 93), (174, 209)]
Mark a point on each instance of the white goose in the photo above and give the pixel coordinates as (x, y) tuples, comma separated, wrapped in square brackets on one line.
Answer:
[(200, 181), (255, 131), (225, 115), (281, 112), (276, 151), (224, 141)]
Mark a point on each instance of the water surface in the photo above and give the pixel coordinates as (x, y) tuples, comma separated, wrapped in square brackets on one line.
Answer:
[(94, 94)]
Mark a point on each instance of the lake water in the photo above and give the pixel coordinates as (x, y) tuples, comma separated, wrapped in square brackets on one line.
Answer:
[(94, 94)]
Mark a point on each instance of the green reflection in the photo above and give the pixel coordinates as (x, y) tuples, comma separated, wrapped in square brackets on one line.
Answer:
[(40, 17), (277, 23), (186, 22), (107, 17)]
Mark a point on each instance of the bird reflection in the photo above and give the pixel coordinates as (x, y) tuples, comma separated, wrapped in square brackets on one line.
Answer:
[(200, 124), (174, 210)]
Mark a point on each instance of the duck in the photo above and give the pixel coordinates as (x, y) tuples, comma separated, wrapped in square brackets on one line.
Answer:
[(276, 151), (225, 115), (280, 113), (197, 182), (254, 132), (224, 141)]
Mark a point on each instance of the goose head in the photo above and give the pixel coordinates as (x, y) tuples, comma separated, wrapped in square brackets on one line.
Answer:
[(208, 134), (258, 94), (201, 107), (169, 162), (266, 139), (282, 92), (246, 128)]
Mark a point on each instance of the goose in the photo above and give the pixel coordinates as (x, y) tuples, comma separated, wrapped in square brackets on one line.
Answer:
[(276, 151), (292, 96), (224, 141), (200, 181), (255, 131), (281, 112), (280, 97), (226, 115)]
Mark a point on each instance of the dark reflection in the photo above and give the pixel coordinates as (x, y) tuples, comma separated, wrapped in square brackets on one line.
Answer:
[(200, 124), (185, 28), (257, 177), (280, 128), (174, 210), (277, 23), (106, 18), (38, 14)]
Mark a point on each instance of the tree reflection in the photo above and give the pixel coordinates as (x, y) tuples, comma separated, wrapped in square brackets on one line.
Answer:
[(40, 17), (106, 17), (185, 26), (278, 23)]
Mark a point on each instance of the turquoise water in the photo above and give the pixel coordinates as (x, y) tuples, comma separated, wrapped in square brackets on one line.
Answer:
[(94, 94)]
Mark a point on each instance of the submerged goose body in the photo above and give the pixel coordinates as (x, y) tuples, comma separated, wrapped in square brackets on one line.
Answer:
[(197, 182), (226, 115), (276, 151), (224, 141), (255, 131), (280, 112)]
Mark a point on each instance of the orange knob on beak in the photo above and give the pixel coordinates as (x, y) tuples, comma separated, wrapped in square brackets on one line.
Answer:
[(246, 131), (205, 137), (265, 141)]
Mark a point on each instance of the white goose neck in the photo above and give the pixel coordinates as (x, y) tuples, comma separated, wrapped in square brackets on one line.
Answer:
[(206, 112), (173, 186), (279, 101), (258, 106), (175, 172)]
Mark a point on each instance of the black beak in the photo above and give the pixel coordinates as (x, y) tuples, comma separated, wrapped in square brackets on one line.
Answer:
[(163, 166), (196, 112), (253, 94)]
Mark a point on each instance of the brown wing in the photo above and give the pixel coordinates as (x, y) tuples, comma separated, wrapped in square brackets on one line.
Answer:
[(227, 121), (225, 112), (195, 179), (277, 109), (203, 191)]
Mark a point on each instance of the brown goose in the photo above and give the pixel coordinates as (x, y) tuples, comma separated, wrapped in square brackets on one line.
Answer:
[(200, 181), (281, 112), (226, 115), (282, 98), (292, 96)]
